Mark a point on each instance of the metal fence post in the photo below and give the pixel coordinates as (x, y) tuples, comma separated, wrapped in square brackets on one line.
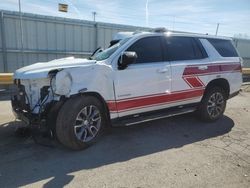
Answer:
[(96, 35), (4, 51)]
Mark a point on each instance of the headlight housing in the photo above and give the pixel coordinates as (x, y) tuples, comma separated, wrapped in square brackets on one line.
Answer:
[(61, 83)]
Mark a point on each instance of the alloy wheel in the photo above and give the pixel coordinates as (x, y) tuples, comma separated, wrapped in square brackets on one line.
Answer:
[(87, 123), (215, 105)]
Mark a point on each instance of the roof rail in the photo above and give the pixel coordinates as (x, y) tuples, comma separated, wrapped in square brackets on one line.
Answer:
[(160, 30), (136, 32)]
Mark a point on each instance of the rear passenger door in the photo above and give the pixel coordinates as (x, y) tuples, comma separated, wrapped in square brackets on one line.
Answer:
[(186, 55), (139, 87)]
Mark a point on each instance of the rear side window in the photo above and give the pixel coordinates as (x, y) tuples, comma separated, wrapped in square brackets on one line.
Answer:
[(224, 47), (148, 50), (184, 48)]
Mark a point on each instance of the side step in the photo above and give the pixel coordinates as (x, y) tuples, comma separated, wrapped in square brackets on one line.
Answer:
[(151, 116)]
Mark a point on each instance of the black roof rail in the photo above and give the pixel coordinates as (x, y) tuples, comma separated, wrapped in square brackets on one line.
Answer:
[(160, 30)]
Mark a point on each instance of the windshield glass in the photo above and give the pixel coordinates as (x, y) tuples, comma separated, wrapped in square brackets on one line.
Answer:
[(109, 51)]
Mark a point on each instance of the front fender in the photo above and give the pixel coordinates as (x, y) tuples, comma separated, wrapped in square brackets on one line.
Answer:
[(96, 78)]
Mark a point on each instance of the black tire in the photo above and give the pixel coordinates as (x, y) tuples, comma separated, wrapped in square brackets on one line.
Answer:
[(66, 125), (209, 111), (52, 117)]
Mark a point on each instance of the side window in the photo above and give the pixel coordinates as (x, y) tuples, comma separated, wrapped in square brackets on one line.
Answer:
[(148, 50), (184, 48), (224, 47)]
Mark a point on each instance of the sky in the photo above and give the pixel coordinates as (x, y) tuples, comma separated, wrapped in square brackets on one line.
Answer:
[(198, 16)]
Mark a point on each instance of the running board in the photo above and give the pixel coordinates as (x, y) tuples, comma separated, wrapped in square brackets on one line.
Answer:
[(151, 116)]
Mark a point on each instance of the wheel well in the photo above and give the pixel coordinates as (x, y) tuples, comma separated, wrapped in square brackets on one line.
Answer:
[(220, 82)]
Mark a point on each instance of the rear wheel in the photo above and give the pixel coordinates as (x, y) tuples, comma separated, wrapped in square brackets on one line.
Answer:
[(80, 122), (213, 104)]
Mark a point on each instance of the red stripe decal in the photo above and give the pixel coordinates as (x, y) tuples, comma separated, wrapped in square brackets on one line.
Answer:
[(200, 81), (153, 100), (191, 73), (230, 67), (194, 70), (193, 81), (111, 106), (190, 76)]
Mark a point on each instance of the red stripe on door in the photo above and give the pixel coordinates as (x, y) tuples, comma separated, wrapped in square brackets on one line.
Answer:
[(190, 75), (153, 100)]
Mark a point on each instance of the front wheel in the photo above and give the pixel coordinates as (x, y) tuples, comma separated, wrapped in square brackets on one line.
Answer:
[(80, 122), (213, 104)]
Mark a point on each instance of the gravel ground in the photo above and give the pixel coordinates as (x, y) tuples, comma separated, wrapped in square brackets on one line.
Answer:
[(172, 152)]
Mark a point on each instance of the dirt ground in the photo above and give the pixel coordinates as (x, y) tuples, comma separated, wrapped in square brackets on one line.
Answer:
[(172, 152)]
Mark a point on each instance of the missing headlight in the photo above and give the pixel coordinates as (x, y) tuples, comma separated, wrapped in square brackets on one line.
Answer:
[(44, 91)]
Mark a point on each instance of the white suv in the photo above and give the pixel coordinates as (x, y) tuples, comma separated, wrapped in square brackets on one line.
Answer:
[(141, 77)]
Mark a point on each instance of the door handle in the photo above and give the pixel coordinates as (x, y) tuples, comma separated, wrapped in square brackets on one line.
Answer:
[(203, 67), (162, 70)]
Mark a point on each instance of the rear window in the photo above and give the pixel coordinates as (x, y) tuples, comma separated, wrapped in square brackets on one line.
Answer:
[(184, 48), (224, 47)]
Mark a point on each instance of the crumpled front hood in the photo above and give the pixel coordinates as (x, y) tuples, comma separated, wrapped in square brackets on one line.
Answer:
[(41, 70)]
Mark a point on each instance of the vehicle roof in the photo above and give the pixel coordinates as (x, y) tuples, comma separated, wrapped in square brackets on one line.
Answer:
[(196, 35), (168, 34)]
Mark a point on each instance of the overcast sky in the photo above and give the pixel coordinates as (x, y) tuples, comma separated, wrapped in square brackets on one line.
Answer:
[(200, 16)]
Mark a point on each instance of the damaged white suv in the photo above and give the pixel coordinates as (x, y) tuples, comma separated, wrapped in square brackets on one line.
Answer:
[(143, 76)]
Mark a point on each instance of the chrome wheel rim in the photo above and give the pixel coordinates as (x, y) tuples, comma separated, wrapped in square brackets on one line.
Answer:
[(215, 105), (87, 123)]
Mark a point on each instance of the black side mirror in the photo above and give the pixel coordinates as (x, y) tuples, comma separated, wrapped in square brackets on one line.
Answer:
[(126, 59)]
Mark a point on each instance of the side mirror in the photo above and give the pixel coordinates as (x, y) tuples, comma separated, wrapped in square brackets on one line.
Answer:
[(126, 59)]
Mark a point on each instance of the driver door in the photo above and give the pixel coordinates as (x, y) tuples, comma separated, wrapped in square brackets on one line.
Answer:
[(141, 87)]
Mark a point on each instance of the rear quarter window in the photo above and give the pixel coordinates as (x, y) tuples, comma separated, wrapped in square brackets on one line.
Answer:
[(184, 48), (224, 47)]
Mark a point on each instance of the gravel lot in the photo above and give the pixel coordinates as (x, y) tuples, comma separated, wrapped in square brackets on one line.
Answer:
[(173, 152)]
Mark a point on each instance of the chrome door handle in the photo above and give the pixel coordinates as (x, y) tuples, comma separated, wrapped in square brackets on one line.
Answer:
[(162, 70), (203, 67)]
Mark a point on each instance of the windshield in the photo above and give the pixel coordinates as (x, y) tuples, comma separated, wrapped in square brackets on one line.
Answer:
[(109, 51)]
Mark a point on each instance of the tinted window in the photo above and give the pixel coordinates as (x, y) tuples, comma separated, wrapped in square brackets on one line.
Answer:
[(148, 50), (184, 48), (224, 47)]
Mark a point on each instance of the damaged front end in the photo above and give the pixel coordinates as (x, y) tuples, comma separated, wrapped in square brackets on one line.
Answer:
[(35, 103), (42, 88)]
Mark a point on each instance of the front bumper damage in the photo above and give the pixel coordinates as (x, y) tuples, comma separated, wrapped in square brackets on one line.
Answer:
[(41, 126), (20, 106), (22, 114)]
